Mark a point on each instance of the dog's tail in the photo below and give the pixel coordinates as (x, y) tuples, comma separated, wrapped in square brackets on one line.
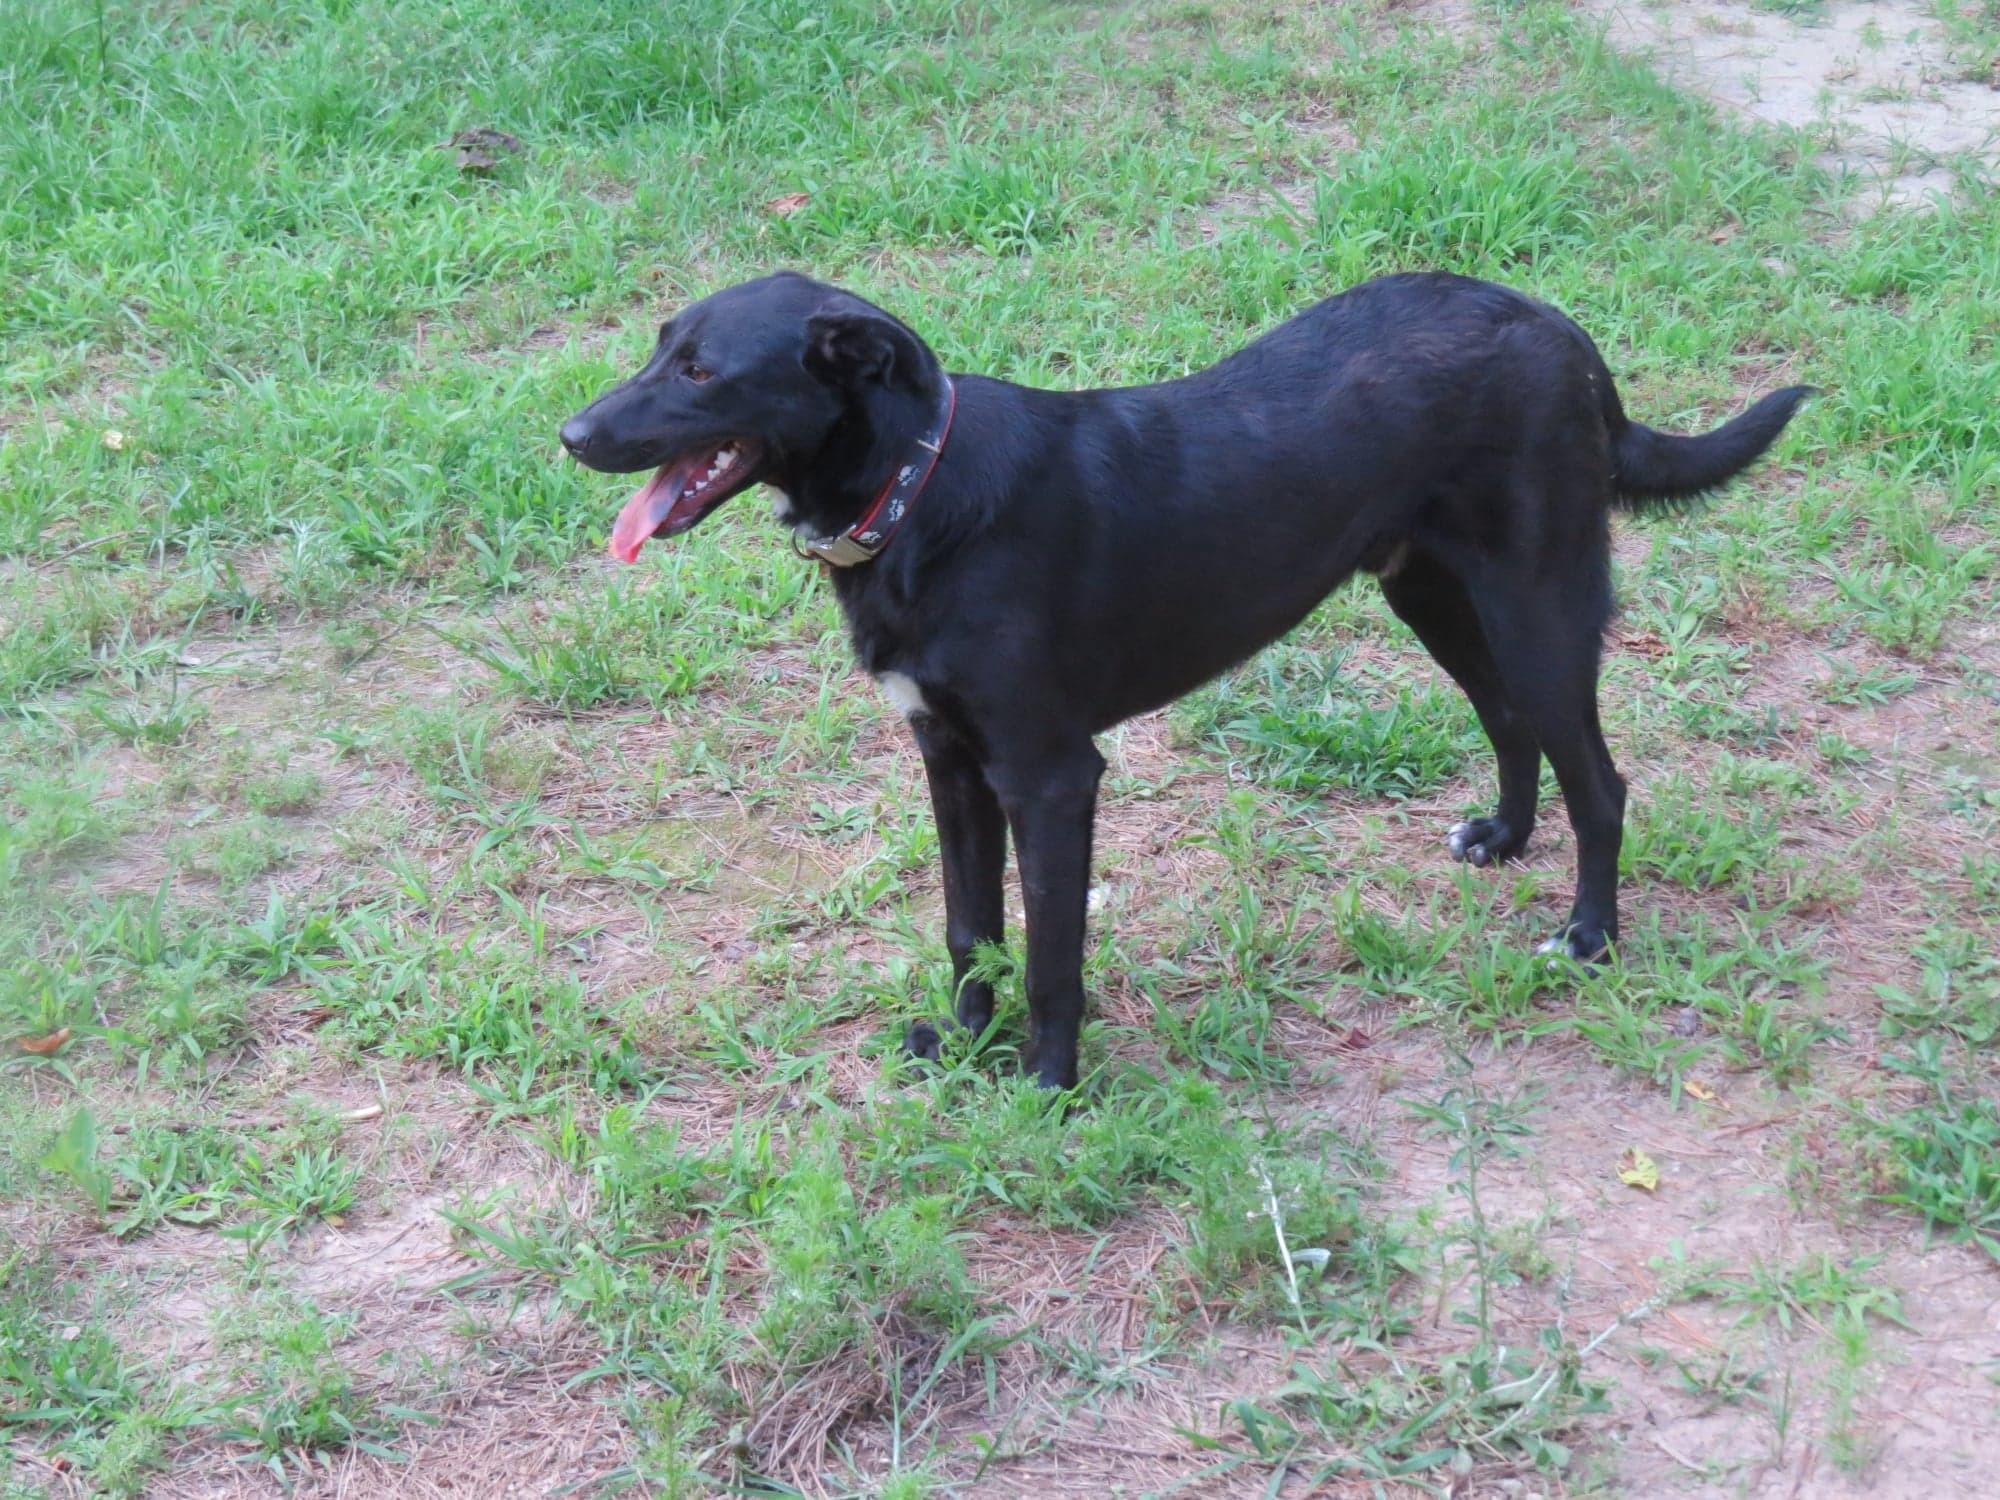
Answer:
[(1651, 468)]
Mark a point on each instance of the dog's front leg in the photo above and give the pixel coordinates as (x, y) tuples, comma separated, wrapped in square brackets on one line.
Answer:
[(1051, 803), (972, 841)]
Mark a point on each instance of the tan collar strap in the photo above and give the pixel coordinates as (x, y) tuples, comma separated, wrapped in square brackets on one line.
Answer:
[(864, 540)]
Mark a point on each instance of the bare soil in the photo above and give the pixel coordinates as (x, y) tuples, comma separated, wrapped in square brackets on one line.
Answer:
[(1874, 82)]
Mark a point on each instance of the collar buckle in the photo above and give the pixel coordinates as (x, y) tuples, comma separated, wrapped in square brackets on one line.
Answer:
[(864, 540), (841, 551)]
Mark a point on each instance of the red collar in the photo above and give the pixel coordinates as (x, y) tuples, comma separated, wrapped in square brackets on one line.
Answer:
[(864, 540)]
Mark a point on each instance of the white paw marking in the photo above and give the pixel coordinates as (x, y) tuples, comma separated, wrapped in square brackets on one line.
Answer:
[(1458, 839), (904, 694), (781, 505), (1558, 944)]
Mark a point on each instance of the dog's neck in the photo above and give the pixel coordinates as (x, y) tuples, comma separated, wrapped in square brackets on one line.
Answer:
[(888, 436)]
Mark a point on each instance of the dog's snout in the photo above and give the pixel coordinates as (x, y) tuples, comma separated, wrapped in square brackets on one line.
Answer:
[(576, 435)]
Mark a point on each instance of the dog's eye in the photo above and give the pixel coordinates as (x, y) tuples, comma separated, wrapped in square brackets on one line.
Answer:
[(699, 374)]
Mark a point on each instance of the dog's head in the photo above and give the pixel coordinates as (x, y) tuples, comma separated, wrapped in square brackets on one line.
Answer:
[(783, 380)]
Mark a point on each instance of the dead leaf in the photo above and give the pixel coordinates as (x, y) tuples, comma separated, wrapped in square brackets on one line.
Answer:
[(366, 1112), (1643, 643), (114, 439), (1696, 1089), (1637, 1169), (482, 135), (43, 1046), (1355, 1040), (787, 204), (480, 149)]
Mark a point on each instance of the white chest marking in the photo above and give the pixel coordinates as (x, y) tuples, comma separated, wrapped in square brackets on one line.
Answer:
[(904, 693), (781, 505)]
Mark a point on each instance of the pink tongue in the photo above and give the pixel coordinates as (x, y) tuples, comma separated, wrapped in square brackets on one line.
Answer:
[(641, 516)]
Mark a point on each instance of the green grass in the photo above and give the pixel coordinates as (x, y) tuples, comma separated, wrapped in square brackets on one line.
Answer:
[(448, 988)]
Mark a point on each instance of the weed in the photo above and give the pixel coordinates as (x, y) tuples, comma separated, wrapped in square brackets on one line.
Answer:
[(73, 1154), (235, 854), (59, 814), (282, 793), (284, 1195), (1816, 1292), (1687, 833), (140, 720), (1943, 1156), (299, 1398), (64, 1377), (1867, 686), (1298, 726), (1959, 991)]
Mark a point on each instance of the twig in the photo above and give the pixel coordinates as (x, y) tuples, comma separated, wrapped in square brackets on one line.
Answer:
[(96, 541), (1680, 1458), (1278, 1227)]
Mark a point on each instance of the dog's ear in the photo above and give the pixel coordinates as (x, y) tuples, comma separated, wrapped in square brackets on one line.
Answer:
[(851, 346)]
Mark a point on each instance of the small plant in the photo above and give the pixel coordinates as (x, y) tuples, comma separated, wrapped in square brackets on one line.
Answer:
[(1867, 687), (137, 720), (236, 853), (1959, 991), (1681, 831), (1943, 1156), (300, 1399), (289, 1193), (1298, 725), (58, 814), (282, 793), (68, 1386), (179, 1177), (73, 1154), (620, 646), (1813, 1293)]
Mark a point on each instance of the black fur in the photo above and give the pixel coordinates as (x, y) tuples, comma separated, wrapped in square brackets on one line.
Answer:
[(1651, 468), (1081, 557)]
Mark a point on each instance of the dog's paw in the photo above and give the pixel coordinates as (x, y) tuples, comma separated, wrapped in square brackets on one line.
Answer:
[(1483, 841), (1587, 946), (924, 1042), (1052, 1067)]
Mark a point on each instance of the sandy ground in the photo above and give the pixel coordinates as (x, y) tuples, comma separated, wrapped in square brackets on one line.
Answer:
[(1875, 81)]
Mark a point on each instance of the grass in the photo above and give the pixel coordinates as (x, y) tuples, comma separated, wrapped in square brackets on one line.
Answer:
[(449, 993)]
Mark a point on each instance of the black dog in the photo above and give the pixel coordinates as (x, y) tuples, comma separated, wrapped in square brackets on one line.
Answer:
[(1022, 569)]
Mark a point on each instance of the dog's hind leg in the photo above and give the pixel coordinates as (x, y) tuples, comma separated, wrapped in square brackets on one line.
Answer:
[(972, 843), (1051, 803), (1546, 635), (1434, 604)]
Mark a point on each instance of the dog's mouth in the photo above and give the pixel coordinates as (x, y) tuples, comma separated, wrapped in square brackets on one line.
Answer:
[(683, 491)]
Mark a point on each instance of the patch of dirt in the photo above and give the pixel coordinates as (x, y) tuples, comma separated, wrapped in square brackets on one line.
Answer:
[(1318, 136), (407, 1251), (1875, 79), (1923, 1427)]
